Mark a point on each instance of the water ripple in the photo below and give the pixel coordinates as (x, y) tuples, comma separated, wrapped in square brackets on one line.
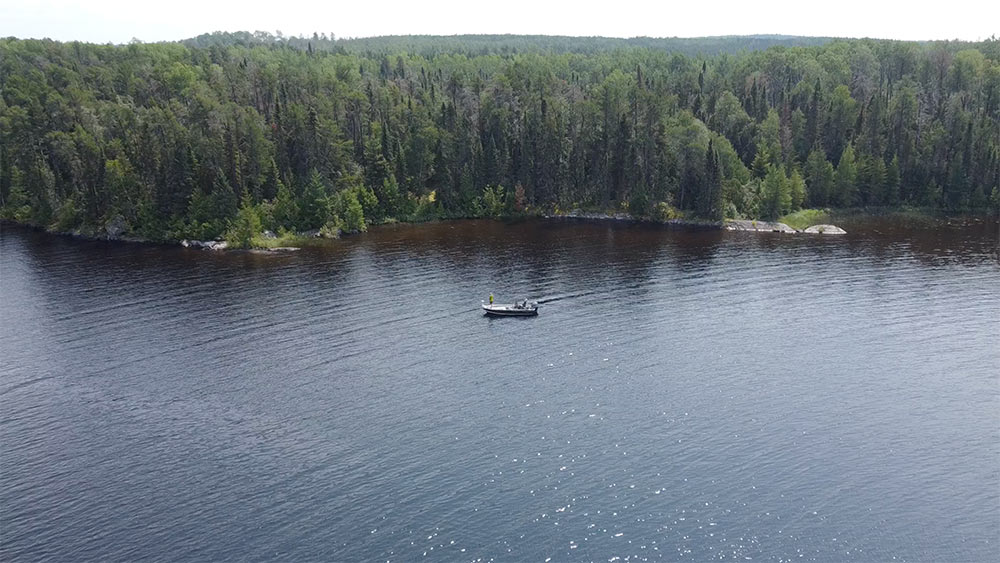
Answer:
[(681, 396)]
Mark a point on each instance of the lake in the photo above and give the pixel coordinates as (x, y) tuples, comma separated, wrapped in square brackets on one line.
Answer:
[(681, 396)]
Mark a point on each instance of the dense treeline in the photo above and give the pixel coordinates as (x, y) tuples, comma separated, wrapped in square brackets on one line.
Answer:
[(174, 141), (476, 45)]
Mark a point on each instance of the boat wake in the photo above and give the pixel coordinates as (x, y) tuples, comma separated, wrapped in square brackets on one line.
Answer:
[(565, 296)]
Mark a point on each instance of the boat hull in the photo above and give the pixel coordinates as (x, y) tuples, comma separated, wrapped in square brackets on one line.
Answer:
[(509, 311)]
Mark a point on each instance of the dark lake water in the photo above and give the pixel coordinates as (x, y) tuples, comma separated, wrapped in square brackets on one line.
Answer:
[(681, 396)]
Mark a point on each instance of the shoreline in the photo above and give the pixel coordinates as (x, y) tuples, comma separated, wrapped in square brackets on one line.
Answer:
[(308, 238), (678, 224)]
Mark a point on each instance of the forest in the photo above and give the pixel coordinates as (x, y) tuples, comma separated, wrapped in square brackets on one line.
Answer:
[(226, 135)]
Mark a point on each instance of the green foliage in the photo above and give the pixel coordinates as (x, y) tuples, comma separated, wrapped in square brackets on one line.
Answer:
[(167, 136), (845, 190), (348, 211), (776, 194), (639, 204), (367, 200), (388, 197), (769, 140), (841, 118), (932, 195), (245, 226), (493, 45), (423, 208), (797, 189), (710, 204), (205, 222), (805, 218), (16, 207), (665, 212), (124, 189), (761, 161), (314, 204), (332, 229), (68, 217), (284, 210), (890, 187), (819, 179), (494, 201), (871, 180), (287, 240)]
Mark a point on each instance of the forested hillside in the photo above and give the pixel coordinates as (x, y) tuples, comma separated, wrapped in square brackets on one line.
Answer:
[(184, 141), (474, 45)]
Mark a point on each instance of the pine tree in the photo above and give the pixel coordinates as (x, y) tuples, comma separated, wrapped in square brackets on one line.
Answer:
[(388, 198), (710, 202), (891, 189), (776, 196), (871, 180), (760, 163), (245, 226), (797, 189), (285, 211), (347, 207), (269, 189), (813, 115), (819, 179), (313, 203), (845, 191)]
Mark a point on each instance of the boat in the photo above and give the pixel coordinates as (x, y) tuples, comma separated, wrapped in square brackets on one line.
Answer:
[(522, 308)]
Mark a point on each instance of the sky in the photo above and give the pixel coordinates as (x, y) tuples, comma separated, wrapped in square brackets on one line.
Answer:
[(120, 21)]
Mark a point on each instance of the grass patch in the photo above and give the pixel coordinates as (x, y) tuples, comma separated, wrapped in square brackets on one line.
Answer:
[(287, 239), (806, 218), (914, 216)]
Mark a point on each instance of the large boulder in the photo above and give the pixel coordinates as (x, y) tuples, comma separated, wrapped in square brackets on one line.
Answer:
[(115, 228), (759, 226), (825, 230), (205, 244)]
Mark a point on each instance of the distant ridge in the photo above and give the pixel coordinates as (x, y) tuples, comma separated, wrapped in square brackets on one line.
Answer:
[(430, 45)]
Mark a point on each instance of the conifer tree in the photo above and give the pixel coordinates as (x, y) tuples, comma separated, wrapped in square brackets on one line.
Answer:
[(776, 196), (819, 179), (845, 191)]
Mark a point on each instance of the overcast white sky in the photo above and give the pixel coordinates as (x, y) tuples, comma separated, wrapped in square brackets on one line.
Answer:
[(119, 21)]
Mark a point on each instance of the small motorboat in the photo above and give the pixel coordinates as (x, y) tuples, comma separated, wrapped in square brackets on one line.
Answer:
[(523, 308)]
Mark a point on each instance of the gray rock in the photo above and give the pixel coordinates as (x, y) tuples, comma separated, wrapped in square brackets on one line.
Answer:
[(825, 230), (759, 226), (268, 235), (115, 227), (205, 244)]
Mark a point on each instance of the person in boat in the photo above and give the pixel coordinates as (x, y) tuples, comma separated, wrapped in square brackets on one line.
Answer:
[(491, 299)]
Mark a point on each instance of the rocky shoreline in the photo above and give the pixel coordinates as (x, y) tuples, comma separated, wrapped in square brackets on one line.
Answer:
[(687, 224), (774, 227), (114, 231), (224, 245)]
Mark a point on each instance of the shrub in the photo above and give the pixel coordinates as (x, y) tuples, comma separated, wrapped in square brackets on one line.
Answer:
[(665, 212)]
